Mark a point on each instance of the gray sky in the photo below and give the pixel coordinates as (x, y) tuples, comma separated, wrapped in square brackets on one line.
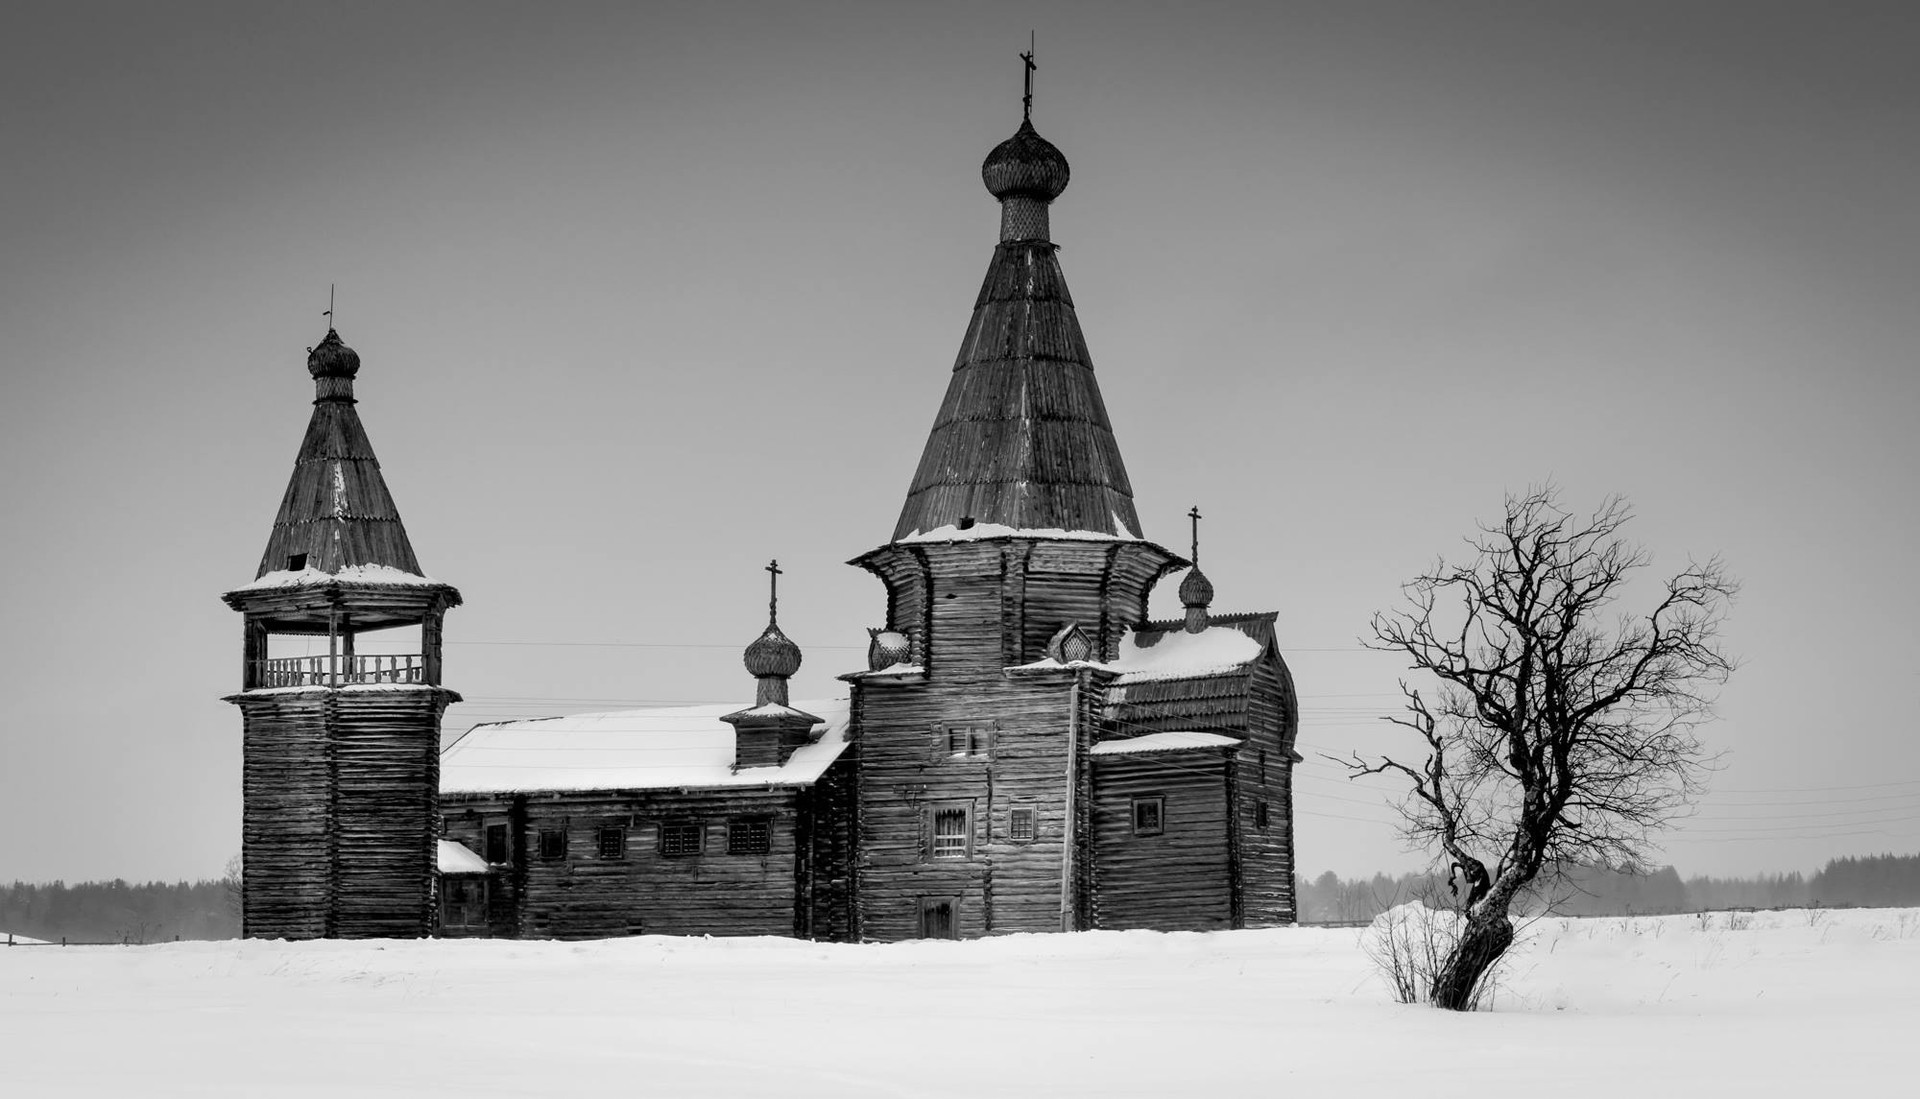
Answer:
[(646, 296)]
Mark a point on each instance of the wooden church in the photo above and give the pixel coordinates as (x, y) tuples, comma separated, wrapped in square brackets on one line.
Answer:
[(1025, 751)]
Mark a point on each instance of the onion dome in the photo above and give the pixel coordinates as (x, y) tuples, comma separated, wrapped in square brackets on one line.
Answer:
[(333, 359), (1196, 590), (885, 648), (772, 654), (1025, 165)]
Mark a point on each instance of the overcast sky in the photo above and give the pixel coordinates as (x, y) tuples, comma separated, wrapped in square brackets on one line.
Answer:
[(646, 295)]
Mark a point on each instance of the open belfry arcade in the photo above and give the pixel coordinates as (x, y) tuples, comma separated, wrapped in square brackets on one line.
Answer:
[(1024, 751)]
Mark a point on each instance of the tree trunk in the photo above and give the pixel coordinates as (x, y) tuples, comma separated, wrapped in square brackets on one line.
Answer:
[(1487, 935)]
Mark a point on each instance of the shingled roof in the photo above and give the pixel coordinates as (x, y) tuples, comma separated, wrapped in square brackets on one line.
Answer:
[(1022, 439), (337, 510)]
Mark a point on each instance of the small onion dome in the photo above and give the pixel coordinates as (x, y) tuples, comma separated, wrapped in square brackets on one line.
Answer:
[(887, 648), (772, 653), (333, 359), (1025, 164), (1196, 590)]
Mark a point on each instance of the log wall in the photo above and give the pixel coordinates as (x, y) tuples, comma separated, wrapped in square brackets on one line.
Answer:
[(340, 793), (798, 887), (907, 772)]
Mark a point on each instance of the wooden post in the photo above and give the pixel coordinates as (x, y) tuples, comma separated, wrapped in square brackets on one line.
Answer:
[(430, 644), (253, 653), (333, 647), (1067, 832), (346, 646)]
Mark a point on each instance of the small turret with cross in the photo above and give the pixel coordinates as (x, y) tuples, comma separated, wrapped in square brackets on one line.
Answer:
[(1196, 591)]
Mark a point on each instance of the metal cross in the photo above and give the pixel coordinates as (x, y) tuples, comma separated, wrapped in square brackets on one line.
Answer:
[(773, 589), (1026, 101), (1194, 514), (329, 313)]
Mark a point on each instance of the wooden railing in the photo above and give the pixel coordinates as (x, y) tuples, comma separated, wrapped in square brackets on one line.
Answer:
[(332, 671)]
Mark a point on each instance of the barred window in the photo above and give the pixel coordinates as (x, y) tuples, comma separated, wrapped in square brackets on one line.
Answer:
[(1149, 816), (553, 843), (681, 838), (1021, 826), (750, 837), (611, 841), (950, 833)]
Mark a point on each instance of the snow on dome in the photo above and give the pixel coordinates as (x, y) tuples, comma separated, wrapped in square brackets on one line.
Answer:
[(1175, 655), (682, 746), (457, 858), (952, 533), (1161, 742), (352, 574)]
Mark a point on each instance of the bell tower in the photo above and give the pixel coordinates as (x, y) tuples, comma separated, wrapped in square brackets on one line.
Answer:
[(340, 696)]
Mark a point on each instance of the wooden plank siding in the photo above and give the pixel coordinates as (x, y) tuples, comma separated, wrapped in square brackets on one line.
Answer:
[(1180, 879), (1257, 704), (339, 817)]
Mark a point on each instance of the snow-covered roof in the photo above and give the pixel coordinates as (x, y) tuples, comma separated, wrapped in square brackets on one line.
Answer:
[(654, 749), (1178, 654), (890, 673), (457, 858), (951, 533), (1161, 742), (352, 574)]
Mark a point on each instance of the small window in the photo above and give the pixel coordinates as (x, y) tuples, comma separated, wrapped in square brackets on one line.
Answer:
[(1021, 827), (951, 833), (749, 837), (553, 843), (1263, 770), (1149, 816), (1260, 815), (498, 854), (678, 839), (296, 562), (970, 741), (611, 842)]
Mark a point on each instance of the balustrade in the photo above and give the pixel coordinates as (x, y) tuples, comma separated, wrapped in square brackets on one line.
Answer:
[(340, 670)]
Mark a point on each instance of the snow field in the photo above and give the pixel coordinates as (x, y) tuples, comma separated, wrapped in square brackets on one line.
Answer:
[(1754, 1004)]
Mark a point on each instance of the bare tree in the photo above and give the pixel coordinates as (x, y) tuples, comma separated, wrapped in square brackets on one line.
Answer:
[(1561, 731), (233, 882)]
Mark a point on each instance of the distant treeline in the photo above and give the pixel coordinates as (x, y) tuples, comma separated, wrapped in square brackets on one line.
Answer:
[(118, 911), (1873, 881)]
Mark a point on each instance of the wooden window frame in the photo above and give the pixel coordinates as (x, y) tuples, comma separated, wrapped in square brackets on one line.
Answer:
[(1262, 817), (955, 854), (1032, 817), (740, 827), (970, 743), (547, 852), (506, 842), (618, 833), (1158, 805), (697, 829)]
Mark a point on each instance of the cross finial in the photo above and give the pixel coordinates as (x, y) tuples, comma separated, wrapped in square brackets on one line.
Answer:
[(1194, 514), (329, 313), (1026, 101), (773, 591)]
